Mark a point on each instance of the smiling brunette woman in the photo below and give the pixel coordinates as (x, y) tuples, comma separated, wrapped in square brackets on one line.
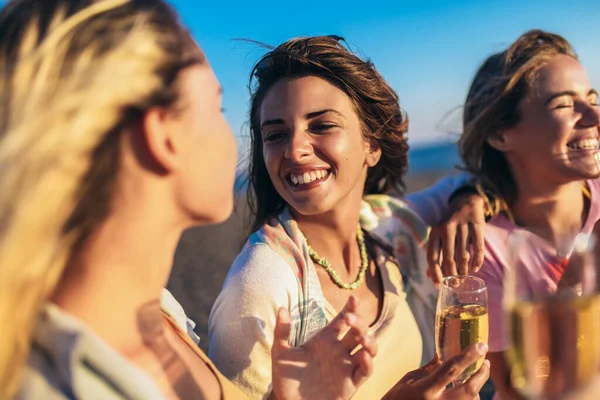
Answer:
[(328, 140), (532, 125)]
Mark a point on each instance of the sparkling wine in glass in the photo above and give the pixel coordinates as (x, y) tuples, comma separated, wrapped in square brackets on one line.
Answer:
[(461, 319), (553, 329)]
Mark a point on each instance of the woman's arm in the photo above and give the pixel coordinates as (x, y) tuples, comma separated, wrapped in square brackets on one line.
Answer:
[(432, 203), (242, 321)]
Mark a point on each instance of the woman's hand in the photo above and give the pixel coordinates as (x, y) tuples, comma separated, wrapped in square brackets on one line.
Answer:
[(452, 242), (325, 367), (430, 381)]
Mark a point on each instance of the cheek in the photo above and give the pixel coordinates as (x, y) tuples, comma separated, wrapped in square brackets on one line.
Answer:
[(271, 159)]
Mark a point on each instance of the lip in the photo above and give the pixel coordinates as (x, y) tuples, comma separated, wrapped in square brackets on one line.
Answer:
[(594, 135)]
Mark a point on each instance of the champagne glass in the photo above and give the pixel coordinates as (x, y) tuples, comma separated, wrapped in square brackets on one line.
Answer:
[(553, 321), (461, 319)]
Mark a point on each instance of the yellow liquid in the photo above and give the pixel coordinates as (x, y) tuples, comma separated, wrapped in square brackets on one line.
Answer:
[(458, 327), (555, 345)]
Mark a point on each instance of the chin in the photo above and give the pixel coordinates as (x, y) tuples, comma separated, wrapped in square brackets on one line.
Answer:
[(309, 209), (214, 216)]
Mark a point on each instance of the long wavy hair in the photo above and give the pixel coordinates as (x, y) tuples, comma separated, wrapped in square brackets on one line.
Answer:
[(74, 74), (384, 125), (492, 104)]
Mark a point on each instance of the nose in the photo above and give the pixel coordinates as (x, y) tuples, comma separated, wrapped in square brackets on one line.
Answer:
[(590, 116), (299, 146)]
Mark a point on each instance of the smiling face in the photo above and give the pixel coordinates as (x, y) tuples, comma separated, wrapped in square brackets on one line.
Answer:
[(313, 147), (556, 138)]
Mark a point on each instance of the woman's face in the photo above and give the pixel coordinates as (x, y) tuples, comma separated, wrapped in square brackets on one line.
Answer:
[(204, 188), (313, 146), (557, 136)]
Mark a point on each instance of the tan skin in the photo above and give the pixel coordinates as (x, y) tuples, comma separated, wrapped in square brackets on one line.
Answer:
[(303, 138), (128, 259), (167, 162), (309, 124), (561, 109)]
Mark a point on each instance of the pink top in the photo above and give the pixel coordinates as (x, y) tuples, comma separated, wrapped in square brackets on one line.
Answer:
[(543, 265)]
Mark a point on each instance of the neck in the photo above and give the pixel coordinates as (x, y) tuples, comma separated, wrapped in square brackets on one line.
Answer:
[(333, 234), (120, 271), (554, 212)]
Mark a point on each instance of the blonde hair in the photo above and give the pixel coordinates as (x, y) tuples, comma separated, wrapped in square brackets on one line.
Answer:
[(492, 104), (73, 75)]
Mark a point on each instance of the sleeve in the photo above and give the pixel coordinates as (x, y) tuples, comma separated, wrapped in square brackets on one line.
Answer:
[(431, 204), (242, 320), (492, 273)]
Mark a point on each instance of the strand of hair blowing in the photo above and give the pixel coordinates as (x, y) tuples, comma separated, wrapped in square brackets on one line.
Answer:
[(53, 124)]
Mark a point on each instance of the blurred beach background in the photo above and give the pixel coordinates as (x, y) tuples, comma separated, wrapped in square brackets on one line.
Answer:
[(427, 51)]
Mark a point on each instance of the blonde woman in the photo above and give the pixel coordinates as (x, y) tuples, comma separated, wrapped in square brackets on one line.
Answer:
[(108, 111)]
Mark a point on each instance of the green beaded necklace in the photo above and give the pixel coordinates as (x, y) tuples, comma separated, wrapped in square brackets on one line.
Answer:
[(334, 275)]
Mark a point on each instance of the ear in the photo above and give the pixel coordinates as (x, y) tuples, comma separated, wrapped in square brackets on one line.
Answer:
[(157, 128), (500, 141), (373, 155)]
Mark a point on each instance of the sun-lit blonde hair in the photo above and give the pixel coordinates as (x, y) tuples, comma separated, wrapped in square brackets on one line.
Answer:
[(73, 75), (492, 104)]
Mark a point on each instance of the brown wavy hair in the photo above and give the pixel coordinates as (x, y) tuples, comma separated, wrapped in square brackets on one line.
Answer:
[(384, 124), (493, 100)]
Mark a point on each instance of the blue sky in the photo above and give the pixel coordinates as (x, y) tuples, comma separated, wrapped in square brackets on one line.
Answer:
[(427, 50)]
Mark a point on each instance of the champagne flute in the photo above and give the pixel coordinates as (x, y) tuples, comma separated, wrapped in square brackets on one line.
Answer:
[(461, 319), (553, 326)]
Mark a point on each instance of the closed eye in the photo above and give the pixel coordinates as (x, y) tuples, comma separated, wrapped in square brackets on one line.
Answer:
[(323, 127), (564, 106)]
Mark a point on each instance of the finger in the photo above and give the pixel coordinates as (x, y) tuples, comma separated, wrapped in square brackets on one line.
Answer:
[(433, 256), (281, 334), (369, 344), (432, 365), (470, 389), (462, 250), (453, 368), (363, 362), (477, 246), (422, 372), (448, 246), (353, 336), (338, 326)]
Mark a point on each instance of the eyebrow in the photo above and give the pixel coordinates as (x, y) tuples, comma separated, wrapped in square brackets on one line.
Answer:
[(311, 115), (570, 93), (315, 114)]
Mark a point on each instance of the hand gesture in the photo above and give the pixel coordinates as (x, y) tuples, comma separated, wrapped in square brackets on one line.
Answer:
[(328, 366)]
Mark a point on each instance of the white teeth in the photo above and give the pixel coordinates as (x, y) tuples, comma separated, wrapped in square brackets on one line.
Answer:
[(586, 144), (308, 177)]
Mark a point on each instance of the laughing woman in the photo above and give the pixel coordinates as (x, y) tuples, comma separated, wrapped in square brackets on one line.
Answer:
[(532, 125), (326, 131)]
